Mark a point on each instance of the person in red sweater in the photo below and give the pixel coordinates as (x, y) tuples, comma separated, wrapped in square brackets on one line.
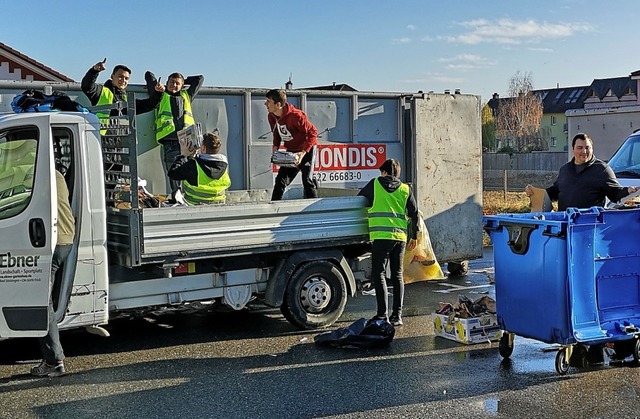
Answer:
[(292, 127)]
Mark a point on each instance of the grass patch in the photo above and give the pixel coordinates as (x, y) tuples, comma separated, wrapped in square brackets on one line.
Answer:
[(495, 202)]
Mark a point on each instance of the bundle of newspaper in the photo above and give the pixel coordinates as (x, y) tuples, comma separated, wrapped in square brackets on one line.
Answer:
[(284, 158), (192, 136)]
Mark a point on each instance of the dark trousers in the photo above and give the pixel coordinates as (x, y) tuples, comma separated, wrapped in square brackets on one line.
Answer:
[(50, 344), (171, 150), (286, 175), (383, 253)]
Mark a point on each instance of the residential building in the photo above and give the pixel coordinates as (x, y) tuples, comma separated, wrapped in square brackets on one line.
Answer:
[(15, 65), (602, 96)]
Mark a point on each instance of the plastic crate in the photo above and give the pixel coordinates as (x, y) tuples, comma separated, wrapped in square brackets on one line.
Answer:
[(567, 277)]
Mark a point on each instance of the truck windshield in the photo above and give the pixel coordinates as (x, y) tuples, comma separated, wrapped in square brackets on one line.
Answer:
[(626, 161), (18, 149)]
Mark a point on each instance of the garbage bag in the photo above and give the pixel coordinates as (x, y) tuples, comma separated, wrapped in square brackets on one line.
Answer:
[(362, 333), (420, 264)]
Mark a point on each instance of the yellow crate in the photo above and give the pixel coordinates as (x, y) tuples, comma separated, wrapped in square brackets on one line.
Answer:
[(468, 331)]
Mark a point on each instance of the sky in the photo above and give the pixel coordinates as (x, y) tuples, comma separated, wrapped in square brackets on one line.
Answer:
[(372, 45)]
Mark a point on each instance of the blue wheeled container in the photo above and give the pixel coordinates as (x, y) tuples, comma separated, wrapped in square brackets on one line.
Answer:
[(568, 277)]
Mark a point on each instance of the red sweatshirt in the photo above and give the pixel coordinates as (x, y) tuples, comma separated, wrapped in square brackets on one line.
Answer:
[(294, 129)]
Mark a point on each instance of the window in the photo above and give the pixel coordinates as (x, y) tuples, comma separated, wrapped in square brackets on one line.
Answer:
[(18, 149), (577, 96), (554, 120), (554, 142)]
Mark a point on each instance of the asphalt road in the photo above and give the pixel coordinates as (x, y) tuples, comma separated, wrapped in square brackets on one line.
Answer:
[(253, 364)]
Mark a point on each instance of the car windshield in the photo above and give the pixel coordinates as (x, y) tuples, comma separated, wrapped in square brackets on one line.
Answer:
[(626, 161)]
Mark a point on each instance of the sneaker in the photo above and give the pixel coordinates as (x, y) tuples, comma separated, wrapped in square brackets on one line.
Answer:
[(396, 320), (46, 370)]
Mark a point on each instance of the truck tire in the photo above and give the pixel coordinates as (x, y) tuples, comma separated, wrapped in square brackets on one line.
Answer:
[(458, 268), (316, 295)]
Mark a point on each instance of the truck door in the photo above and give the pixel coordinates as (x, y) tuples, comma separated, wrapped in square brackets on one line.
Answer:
[(27, 214)]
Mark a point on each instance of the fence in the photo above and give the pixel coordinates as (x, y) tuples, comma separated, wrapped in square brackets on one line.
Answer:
[(516, 180), (512, 172)]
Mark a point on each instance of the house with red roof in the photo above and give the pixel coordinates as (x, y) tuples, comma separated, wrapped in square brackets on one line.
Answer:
[(15, 65)]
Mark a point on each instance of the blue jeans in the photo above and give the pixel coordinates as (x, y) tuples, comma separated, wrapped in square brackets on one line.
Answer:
[(383, 253), (50, 344)]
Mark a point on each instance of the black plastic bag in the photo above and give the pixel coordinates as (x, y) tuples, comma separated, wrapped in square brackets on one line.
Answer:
[(362, 333)]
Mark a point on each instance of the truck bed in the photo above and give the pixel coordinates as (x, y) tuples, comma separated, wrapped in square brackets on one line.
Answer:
[(155, 235)]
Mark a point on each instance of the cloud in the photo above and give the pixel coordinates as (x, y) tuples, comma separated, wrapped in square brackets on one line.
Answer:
[(403, 40), (513, 32), (412, 27), (465, 62), (541, 49)]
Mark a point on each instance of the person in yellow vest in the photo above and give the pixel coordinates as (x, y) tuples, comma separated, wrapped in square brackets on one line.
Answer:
[(114, 90), (174, 114), (393, 217), (204, 173)]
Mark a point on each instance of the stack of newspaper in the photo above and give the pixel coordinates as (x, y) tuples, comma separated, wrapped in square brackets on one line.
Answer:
[(284, 158), (192, 135)]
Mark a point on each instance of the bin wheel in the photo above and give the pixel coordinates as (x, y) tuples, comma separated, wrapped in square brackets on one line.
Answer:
[(636, 350), (562, 363), (505, 347)]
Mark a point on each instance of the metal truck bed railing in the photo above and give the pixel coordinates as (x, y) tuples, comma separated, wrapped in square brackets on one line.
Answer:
[(153, 235)]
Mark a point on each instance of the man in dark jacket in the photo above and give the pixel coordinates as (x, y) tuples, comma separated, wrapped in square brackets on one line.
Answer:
[(174, 114), (114, 89), (584, 181), (204, 175), (393, 217)]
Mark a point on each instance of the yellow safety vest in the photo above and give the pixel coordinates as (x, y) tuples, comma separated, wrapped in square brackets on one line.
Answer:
[(387, 215), (208, 191), (164, 117), (106, 98)]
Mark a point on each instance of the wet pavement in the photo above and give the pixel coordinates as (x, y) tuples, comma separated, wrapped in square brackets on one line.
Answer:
[(253, 364)]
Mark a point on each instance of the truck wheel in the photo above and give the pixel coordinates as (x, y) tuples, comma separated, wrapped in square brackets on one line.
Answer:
[(458, 268), (316, 295)]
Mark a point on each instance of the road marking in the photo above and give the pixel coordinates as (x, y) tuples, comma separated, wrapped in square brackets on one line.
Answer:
[(456, 288)]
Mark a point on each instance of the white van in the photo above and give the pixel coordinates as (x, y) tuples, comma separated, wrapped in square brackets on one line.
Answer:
[(625, 162)]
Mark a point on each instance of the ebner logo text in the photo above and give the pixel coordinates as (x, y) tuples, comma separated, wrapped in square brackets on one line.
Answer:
[(9, 261)]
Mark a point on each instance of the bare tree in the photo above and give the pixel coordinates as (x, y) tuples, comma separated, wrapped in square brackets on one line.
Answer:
[(518, 117)]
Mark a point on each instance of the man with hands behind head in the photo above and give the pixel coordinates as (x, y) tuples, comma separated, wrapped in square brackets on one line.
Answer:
[(173, 114)]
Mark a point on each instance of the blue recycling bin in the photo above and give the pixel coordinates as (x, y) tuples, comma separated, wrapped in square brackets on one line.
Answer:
[(568, 277)]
